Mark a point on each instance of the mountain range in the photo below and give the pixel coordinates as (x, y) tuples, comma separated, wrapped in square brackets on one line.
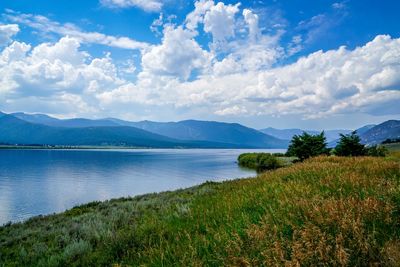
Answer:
[(41, 129), (21, 128)]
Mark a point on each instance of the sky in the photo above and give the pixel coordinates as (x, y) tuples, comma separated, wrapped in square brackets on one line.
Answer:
[(266, 63)]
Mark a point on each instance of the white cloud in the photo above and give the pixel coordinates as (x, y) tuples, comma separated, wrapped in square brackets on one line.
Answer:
[(254, 52), (219, 20), (295, 45), (7, 31), (66, 50), (339, 5), (178, 54), (55, 72), (252, 21), (197, 15), (146, 5), (45, 25), (234, 110)]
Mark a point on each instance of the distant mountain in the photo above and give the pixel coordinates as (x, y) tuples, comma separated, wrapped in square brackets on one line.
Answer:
[(233, 133), (379, 133), (189, 130), (287, 134), (17, 131), (50, 121)]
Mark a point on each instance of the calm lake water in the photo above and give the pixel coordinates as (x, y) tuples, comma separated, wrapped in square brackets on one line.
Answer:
[(34, 182)]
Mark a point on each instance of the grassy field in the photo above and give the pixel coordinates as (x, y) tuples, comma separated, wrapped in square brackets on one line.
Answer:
[(326, 211)]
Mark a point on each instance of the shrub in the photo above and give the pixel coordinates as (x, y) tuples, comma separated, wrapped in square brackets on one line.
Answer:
[(259, 161), (76, 249), (377, 151), (306, 145)]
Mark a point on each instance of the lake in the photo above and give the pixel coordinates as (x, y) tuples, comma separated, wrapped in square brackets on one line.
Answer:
[(34, 182)]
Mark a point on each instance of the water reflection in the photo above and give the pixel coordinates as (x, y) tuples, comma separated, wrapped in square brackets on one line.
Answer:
[(34, 182)]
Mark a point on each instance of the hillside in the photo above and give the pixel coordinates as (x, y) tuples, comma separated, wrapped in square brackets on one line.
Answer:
[(379, 133), (326, 211)]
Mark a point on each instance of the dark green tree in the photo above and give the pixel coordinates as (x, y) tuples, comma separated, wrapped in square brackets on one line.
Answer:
[(306, 145), (350, 145)]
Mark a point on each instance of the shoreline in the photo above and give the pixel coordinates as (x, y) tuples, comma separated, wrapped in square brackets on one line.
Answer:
[(28, 147), (215, 221)]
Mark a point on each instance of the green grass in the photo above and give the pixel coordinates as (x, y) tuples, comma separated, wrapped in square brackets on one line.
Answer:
[(326, 211)]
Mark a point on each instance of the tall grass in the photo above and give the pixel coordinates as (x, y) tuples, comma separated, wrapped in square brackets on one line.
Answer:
[(325, 211)]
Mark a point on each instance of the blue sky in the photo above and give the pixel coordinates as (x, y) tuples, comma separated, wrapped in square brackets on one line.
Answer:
[(309, 64)]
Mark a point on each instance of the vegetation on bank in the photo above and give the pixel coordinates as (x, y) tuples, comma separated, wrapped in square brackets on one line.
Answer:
[(333, 211), (307, 145), (264, 161)]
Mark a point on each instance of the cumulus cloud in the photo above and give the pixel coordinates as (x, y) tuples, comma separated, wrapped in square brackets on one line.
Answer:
[(7, 31), (178, 54), (219, 20), (197, 15), (54, 72), (45, 25), (327, 83), (319, 85), (146, 5)]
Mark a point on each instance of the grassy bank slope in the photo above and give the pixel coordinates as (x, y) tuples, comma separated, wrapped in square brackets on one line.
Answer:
[(332, 211)]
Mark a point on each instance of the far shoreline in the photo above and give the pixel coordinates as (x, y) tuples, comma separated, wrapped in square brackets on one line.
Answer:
[(50, 147)]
